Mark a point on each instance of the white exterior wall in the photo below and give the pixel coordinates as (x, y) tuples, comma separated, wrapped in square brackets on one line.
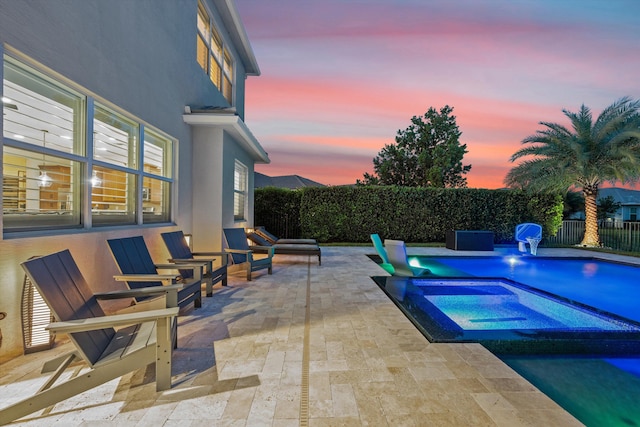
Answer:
[(208, 200), (141, 57), (215, 154)]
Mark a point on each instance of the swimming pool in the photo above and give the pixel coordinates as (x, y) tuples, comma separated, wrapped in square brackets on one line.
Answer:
[(508, 317), (609, 286), (596, 376)]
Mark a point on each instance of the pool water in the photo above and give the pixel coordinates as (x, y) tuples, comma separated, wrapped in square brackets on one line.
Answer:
[(495, 304), (608, 286), (508, 317), (597, 380), (595, 390)]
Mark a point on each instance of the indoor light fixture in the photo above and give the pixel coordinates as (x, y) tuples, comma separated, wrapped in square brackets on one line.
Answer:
[(95, 180), (9, 103), (44, 180)]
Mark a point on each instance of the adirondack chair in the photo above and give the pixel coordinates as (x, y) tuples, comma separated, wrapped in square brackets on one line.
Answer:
[(138, 270), (241, 253), (109, 353), (181, 254)]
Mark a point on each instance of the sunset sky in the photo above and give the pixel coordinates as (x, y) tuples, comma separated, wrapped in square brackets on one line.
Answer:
[(341, 77)]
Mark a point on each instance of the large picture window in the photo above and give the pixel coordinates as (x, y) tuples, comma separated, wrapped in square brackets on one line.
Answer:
[(48, 160), (213, 56), (42, 132)]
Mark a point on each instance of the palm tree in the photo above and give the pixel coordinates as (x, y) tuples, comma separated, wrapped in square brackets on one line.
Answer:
[(582, 157)]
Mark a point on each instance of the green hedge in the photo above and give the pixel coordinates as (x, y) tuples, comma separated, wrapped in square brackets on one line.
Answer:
[(278, 210), (351, 214)]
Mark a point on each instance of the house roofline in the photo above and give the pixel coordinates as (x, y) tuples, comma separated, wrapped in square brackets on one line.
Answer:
[(233, 23), (234, 125)]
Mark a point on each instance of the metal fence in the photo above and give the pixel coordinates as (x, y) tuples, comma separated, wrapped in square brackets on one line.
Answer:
[(283, 226), (617, 235)]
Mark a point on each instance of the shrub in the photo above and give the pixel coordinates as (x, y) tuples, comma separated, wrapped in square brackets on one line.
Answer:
[(351, 214)]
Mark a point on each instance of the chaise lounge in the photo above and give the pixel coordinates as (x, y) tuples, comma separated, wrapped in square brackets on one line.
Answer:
[(382, 253), (397, 253), (262, 245), (261, 231)]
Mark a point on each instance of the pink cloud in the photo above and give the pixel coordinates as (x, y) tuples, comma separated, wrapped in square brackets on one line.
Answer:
[(340, 79)]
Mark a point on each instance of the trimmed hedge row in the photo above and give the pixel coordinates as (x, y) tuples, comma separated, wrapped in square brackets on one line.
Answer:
[(278, 210), (351, 214)]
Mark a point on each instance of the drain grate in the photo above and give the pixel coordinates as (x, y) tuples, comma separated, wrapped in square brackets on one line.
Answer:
[(304, 386)]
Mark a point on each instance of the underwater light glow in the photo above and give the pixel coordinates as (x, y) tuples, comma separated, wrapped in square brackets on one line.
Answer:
[(413, 262)]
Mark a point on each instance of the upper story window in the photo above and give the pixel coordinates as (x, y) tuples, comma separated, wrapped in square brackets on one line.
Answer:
[(48, 161), (240, 176), (213, 56)]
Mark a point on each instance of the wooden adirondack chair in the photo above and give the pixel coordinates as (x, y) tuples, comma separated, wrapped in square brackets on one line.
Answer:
[(138, 270), (181, 254), (109, 353), (241, 253)]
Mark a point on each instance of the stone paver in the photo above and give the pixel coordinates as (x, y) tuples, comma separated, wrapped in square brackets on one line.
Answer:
[(240, 362)]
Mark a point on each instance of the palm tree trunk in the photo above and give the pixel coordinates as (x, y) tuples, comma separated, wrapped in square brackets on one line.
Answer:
[(591, 236)]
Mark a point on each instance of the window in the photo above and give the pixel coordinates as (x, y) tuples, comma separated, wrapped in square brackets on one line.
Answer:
[(239, 192), (156, 181), (633, 214), (48, 162), (212, 56), (113, 189), (42, 132)]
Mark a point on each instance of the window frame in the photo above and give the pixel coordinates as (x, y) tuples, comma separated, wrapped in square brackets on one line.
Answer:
[(240, 169), (84, 161), (220, 64)]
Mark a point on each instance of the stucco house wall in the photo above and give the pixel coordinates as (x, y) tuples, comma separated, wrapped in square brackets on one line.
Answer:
[(139, 57)]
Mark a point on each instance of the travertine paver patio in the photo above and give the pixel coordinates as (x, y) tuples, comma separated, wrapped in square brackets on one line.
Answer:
[(309, 345)]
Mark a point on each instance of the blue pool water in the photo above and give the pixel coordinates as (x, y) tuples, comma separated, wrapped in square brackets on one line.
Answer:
[(574, 321), (605, 285)]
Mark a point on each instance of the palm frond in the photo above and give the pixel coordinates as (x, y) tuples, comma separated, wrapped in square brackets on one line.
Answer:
[(586, 154)]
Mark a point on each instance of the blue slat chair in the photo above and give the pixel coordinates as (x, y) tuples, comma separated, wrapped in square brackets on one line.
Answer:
[(241, 254), (144, 339), (181, 253), (138, 270)]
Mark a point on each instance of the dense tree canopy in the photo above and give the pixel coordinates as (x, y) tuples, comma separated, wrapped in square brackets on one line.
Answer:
[(583, 156), (426, 154)]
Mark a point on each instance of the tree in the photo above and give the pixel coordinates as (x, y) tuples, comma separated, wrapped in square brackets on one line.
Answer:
[(584, 156), (426, 154), (607, 207), (573, 203)]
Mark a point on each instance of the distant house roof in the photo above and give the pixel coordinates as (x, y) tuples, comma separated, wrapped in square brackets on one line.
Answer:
[(291, 182), (623, 196)]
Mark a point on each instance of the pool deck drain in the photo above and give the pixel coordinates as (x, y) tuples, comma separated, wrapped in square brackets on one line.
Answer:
[(304, 386)]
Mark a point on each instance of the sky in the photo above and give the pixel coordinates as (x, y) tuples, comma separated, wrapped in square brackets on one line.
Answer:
[(339, 78)]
